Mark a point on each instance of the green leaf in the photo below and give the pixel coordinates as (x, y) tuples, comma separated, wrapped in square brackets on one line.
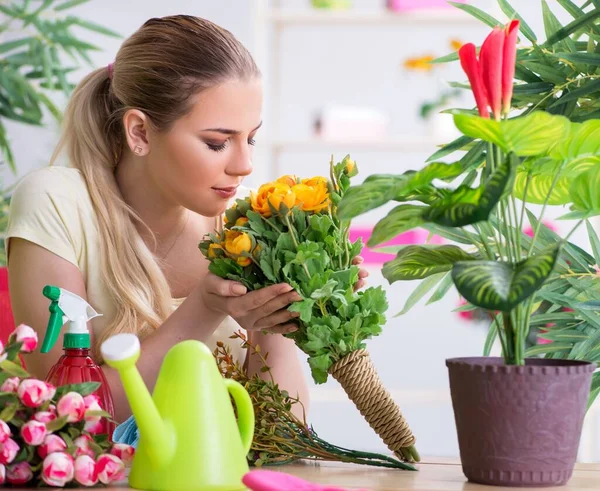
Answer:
[(455, 234), (69, 4), (533, 134), (418, 293), (92, 26), (447, 58), (477, 13), (552, 26), (10, 45), (533, 88), (377, 190), (84, 388), (490, 339), (466, 206), (583, 140), (579, 57), (547, 72), (305, 308), (564, 335), (416, 262), (440, 292), (497, 285), (57, 424), (542, 349), (458, 144), (581, 22), (585, 89), (511, 13), (584, 192), (400, 219), (594, 241), (9, 411), (14, 369)]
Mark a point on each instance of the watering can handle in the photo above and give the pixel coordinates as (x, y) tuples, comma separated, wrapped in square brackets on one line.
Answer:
[(245, 412)]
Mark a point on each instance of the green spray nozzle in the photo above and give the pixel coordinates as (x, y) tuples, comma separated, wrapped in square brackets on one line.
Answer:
[(66, 306)]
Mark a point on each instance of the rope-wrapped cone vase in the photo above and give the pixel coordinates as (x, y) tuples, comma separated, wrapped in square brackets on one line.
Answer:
[(357, 375)]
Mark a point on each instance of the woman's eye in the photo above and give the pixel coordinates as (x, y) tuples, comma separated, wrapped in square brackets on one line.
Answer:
[(217, 147)]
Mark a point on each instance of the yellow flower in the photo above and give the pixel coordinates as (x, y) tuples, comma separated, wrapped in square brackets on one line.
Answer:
[(241, 221), (350, 166), (275, 193), (420, 63), (236, 243), (288, 179), (312, 194), (455, 44), (212, 250)]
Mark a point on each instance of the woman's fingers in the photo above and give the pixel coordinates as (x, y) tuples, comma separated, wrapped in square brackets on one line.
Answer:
[(282, 316)]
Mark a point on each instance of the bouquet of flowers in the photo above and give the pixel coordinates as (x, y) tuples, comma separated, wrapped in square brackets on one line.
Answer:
[(289, 232), (49, 435)]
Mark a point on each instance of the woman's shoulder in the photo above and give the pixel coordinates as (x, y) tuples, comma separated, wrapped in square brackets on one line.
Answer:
[(54, 181)]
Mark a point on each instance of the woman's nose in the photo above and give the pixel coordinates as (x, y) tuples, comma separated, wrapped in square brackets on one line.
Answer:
[(241, 163)]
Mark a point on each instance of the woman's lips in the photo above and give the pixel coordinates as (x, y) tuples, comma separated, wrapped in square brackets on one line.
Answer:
[(226, 192)]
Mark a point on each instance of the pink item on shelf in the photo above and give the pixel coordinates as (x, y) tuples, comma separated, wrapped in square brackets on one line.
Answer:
[(405, 5), (417, 236), (263, 480)]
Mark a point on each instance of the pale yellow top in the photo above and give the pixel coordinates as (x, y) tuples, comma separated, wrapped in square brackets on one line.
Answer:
[(51, 207)]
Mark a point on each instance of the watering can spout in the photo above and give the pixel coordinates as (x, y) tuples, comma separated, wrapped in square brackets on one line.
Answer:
[(122, 352)]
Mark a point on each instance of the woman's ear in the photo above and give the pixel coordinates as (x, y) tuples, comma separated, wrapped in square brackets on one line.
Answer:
[(137, 132)]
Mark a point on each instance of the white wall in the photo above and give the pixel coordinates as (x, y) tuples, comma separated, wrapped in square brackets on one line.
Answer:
[(410, 353)]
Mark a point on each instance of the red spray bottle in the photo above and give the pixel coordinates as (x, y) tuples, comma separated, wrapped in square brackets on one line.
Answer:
[(75, 366)]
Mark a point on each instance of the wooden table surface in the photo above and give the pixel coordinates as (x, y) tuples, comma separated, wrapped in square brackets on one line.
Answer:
[(433, 475)]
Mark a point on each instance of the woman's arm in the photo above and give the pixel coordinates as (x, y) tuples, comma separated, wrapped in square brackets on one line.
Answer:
[(285, 367), (31, 267)]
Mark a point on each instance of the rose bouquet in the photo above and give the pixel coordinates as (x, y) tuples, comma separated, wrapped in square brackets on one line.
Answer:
[(49, 435), (289, 232)]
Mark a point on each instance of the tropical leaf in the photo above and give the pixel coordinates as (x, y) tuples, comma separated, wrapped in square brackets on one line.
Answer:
[(477, 13), (498, 285), (579, 23), (377, 190), (417, 262), (583, 140), (466, 205), (400, 219), (511, 13), (533, 134), (418, 293), (584, 192), (460, 143)]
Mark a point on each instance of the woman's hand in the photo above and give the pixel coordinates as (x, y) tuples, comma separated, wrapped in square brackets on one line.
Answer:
[(362, 273), (259, 310)]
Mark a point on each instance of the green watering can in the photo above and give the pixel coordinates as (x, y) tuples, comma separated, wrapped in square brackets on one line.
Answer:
[(189, 437)]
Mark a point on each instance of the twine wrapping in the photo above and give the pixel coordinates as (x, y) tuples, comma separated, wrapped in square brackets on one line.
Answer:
[(357, 375)]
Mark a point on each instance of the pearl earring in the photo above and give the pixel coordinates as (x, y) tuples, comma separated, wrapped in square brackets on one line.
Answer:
[(138, 150)]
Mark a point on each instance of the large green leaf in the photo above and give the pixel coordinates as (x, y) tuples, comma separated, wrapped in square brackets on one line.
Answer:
[(533, 134), (377, 190), (582, 22), (417, 262), (584, 192), (543, 172), (497, 285), (583, 140), (466, 205), (400, 219)]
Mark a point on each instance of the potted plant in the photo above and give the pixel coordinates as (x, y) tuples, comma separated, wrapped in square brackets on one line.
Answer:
[(32, 67), (518, 418)]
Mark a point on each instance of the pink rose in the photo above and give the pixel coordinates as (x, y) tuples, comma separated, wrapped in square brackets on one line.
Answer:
[(33, 432), (85, 470), (27, 336), (110, 468), (52, 443), (124, 452), (58, 469), (72, 406), (82, 444), (94, 427), (92, 403), (44, 416), (5, 432), (8, 451), (2, 475), (10, 385), (20, 473), (33, 392), (51, 393)]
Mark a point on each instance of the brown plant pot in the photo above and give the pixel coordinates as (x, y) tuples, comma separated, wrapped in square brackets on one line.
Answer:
[(519, 425)]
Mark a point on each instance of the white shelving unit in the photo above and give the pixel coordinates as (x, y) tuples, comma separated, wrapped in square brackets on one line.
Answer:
[(271, 19)]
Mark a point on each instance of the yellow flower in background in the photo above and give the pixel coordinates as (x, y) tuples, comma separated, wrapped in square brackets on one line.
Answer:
[(212, 250), (288, 179), (275, 193), (350, 166), (312, 194), (455, 44), (236, 243), (421, 63)]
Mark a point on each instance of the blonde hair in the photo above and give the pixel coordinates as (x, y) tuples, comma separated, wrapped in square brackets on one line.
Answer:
[(157, 70)]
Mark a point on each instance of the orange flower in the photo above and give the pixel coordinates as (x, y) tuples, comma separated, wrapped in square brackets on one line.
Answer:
[(312, 194), (241, 221), (288, 179), (236, 243), (455, 44), (276, 194), (212, 250), (421, 63)]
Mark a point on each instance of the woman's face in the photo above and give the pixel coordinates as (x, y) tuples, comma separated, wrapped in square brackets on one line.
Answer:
[(206, 154)]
